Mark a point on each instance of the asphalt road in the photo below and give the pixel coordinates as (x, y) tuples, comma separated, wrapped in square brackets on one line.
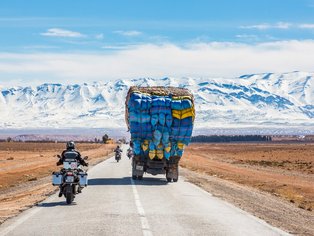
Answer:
[(114, 204)]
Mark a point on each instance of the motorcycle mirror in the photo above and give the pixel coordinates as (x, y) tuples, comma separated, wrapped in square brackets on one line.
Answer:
[(85, 158)]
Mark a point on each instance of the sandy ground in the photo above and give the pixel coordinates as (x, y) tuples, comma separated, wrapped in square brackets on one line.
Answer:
[(25, 172), (273, 181)]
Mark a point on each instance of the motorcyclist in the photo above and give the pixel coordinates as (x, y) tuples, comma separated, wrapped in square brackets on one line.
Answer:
[(130, 152), (117, 151), (71, 153)]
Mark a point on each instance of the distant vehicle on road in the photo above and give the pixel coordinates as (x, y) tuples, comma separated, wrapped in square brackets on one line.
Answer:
[(118, 152)]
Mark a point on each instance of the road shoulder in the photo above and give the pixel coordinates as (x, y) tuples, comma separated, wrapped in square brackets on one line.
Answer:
[(263, 205)]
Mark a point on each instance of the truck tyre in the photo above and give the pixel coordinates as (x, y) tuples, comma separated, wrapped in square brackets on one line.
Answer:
[(134, 177), (140, 177), (175, 179), (167, 176)]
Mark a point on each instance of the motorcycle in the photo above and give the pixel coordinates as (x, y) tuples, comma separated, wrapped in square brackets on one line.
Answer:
[(118, 156), (71, 179), (130, 153)]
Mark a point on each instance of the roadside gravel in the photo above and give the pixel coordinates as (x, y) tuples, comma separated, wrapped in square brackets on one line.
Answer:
[(266, 206)]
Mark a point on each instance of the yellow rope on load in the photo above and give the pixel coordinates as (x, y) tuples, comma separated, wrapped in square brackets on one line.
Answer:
[(180, 145), (152, 154), (160, 154), (182, 114), (181, 97), (168, 149), (145, 145)]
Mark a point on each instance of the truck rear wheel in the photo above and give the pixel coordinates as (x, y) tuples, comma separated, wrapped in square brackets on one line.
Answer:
[(134, 177), (140, 177), (176, 174), (169, 180)]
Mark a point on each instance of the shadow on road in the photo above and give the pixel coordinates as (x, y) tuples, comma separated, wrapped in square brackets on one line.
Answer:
[(54, 204), (151, 181), (110, 181), (127, 181)]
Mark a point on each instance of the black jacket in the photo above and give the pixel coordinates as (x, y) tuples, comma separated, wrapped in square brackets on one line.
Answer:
[(117, 150), (73, 155)]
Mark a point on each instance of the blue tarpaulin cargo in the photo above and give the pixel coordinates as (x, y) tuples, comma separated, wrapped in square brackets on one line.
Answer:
[(161, 122)]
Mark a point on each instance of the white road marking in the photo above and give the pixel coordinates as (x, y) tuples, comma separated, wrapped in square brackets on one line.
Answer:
[(145, 226), (19, 221)]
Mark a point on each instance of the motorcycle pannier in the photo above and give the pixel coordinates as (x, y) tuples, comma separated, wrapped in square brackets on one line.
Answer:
[(83, 178), (56, 178)]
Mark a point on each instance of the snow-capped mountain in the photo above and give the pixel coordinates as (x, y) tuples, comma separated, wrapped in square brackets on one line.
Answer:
[(257, 100)]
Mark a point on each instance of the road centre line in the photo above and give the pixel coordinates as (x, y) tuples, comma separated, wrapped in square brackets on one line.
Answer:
[(145, 226)]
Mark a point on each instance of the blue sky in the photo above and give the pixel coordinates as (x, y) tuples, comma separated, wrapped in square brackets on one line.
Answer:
[(76, 40)]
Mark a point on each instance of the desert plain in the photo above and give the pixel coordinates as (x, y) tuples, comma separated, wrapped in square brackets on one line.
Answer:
[(272, 180)]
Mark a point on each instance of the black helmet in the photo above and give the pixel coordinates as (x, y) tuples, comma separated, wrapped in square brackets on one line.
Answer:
[(70, 145), (118, 146)]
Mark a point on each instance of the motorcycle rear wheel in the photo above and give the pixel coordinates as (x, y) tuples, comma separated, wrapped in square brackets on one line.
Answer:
[(69, 198)]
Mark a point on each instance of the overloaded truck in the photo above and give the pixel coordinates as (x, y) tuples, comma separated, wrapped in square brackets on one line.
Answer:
[(160, 120)]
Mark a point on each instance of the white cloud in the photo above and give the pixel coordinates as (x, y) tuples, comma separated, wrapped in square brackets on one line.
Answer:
[(149, 60), (265, 26), (247, 37), (40, 47), (282, 25), (259, 26), (306, 26), (118, 47), (57, 32), (99, 36), (279, 25), (130, 33)]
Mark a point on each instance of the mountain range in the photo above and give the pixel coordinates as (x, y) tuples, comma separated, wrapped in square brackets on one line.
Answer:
[(250, 102)]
